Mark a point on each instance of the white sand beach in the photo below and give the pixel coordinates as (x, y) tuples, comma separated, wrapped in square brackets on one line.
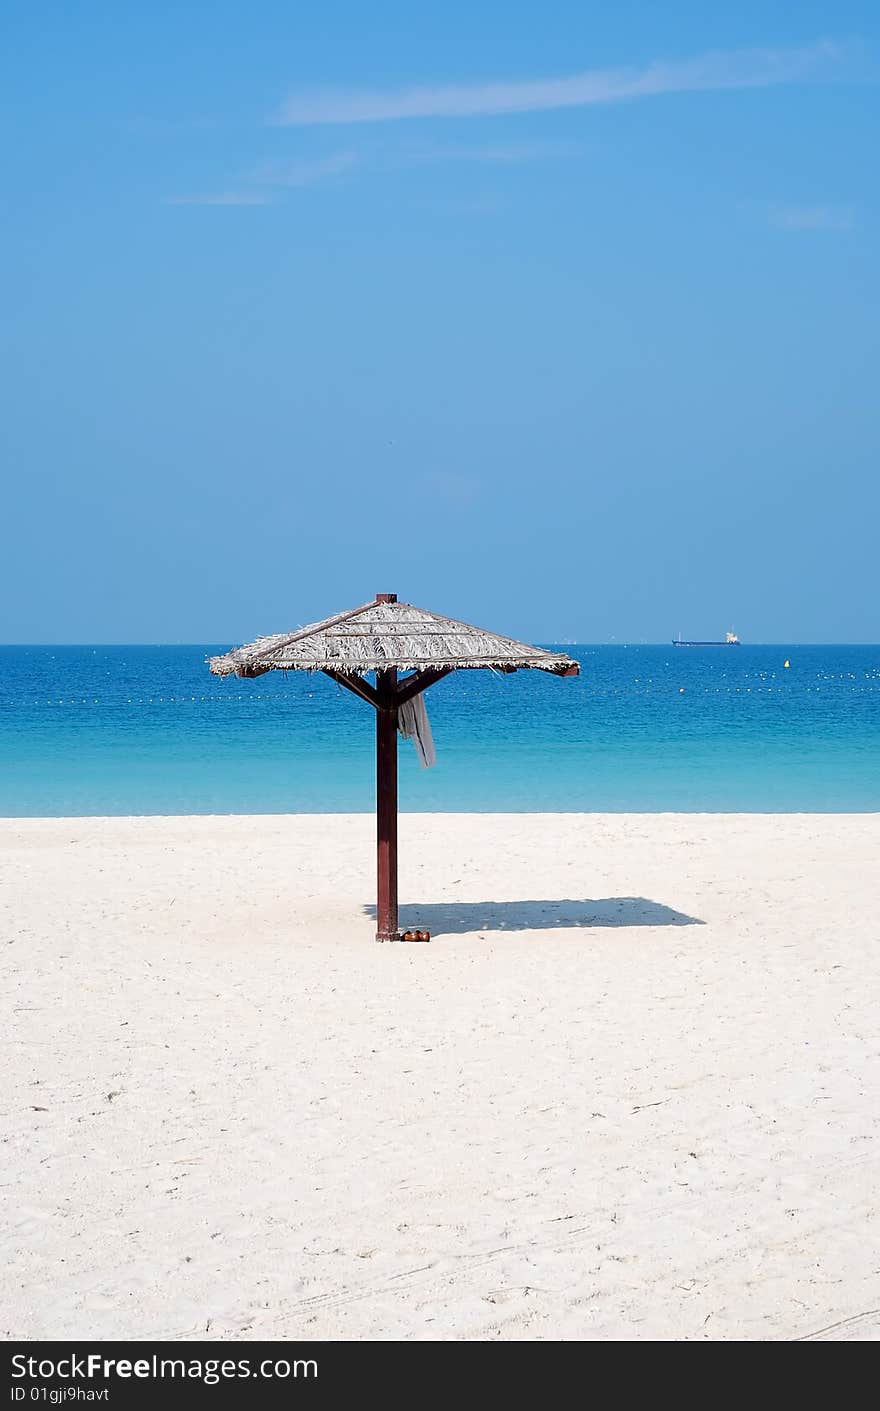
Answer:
[(629, 1091)]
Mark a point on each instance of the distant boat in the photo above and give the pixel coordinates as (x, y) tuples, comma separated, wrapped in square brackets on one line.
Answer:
[(731, 640)]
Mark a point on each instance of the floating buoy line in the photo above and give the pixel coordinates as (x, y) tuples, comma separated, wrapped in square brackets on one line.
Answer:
[(825, 684)]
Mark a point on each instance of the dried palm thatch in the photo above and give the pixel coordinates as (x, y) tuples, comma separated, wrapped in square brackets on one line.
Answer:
[(386, 634)]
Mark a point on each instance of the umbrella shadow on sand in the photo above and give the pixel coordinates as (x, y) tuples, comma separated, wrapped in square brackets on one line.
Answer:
[(458, 918)]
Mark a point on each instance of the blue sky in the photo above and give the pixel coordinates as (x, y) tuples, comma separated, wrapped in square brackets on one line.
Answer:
[(561, 318)]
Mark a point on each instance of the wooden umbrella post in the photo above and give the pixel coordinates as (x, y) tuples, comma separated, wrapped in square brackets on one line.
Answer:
[(386, 799), (386, 823)]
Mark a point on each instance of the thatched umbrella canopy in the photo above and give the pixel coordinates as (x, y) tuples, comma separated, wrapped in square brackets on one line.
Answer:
[(386, 637)]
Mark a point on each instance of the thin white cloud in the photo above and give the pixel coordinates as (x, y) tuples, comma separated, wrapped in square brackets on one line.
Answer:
[(302, 171), (812, 217), (745, 68), (222, 198)]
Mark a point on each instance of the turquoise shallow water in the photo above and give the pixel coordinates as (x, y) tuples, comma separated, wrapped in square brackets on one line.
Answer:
[(146, 730)]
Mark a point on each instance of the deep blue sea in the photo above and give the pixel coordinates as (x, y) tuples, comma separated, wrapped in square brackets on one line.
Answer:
[(147, 730)]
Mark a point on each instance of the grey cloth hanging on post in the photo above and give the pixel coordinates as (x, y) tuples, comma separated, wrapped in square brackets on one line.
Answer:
[(413, 724)]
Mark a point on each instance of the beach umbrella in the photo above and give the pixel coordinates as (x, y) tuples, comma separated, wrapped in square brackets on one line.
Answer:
[(383, 639)]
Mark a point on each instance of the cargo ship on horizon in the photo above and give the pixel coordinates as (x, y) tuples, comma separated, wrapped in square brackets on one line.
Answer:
[(731, 640)]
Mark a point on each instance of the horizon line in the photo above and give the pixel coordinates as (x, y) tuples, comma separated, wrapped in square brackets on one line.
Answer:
[(545, 642)]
